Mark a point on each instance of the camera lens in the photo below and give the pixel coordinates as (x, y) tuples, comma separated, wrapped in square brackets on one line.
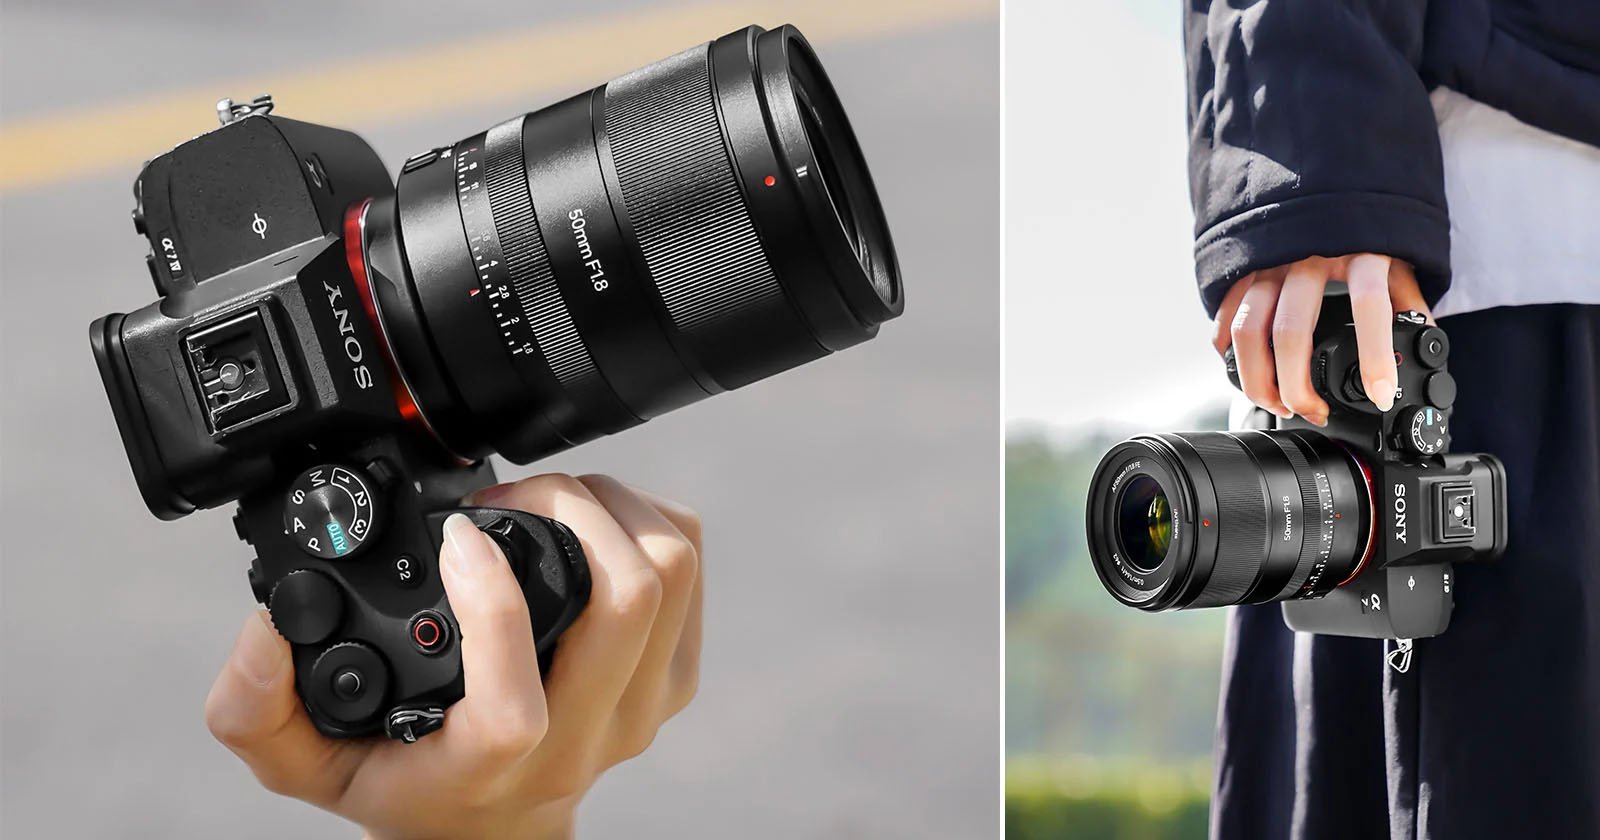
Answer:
[(688, 228), (1205, 519), (1144, 523)]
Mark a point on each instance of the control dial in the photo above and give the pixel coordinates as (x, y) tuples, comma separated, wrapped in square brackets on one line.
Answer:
[(331, 511), (349, 683), (1423, 430)]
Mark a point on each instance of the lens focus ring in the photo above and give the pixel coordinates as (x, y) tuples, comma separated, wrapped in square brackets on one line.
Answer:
[(1242, 514), (693, 228)]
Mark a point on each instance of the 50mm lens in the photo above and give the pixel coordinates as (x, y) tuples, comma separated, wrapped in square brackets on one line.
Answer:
[(1205, 519), (688, 228)]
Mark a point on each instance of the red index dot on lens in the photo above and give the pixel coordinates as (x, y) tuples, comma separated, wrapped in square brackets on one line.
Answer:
[(1206, 522), (770, 181)]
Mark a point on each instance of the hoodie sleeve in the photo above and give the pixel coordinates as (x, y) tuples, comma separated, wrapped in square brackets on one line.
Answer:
[(1311, 133)]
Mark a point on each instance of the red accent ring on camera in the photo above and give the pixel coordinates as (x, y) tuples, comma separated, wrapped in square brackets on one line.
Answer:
[(355, 252), (1372, 519), (427, 632)]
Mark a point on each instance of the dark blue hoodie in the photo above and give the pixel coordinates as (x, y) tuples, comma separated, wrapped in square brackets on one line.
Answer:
[(1311, 132)]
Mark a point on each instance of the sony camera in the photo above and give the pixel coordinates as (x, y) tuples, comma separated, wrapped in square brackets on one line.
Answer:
[(340, 353), (1354, 527)]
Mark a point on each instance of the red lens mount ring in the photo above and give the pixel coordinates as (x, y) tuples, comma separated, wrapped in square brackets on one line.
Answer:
[(1372, 518), (355, 251)]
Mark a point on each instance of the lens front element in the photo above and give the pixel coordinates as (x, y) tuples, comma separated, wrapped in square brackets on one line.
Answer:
[(1145, 523)]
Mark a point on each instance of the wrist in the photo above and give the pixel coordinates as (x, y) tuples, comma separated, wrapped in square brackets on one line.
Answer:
[(555, 821), (551, 821)]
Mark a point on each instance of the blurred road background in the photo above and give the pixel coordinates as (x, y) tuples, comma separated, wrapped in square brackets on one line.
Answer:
[(852, 649), (1109, 710)]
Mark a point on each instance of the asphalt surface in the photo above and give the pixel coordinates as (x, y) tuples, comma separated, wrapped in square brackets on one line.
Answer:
[(852, 631)]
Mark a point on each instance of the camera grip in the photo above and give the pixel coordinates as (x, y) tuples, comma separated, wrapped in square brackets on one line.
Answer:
[(548, 561), (550, 565), (376, 644)]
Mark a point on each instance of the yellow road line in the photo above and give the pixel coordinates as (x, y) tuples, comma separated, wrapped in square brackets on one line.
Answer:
[(389, 88)]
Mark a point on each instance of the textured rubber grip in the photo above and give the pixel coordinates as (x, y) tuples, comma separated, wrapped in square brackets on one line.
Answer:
[(1241, 519), (689, 217)]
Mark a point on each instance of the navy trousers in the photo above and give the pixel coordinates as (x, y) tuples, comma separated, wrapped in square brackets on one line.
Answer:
[(1494, 731)]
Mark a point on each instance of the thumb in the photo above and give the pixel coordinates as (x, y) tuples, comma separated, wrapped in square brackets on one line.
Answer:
[(253, 710), (255, 690)]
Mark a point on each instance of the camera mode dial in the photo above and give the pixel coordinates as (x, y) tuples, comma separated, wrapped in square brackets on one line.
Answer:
[(331, 511), (1423, 430)]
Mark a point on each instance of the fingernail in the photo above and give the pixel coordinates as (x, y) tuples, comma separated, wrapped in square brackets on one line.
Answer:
[(1382, 394), (1317, 419), (1282, 412), (466, 549), (257, 653)]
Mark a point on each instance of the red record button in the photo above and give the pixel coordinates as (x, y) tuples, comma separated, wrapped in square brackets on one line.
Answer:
[(429, 632)]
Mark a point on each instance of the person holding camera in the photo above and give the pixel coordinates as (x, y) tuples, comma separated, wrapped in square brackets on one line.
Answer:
[(346, 385), (518, 752), (1442, 158)]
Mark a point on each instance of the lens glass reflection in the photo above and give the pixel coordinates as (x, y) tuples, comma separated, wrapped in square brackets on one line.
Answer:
[(1144, 523)]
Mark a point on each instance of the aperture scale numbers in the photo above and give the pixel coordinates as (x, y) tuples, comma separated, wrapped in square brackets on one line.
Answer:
[(508, 304), (1330, 518)]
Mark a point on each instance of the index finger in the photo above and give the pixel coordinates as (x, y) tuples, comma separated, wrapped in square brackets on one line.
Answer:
[(602, 648), (504, 693), (1368, 278)]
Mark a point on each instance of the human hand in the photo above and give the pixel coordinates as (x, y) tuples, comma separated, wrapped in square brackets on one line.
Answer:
[(515, 755), (1281, 305)]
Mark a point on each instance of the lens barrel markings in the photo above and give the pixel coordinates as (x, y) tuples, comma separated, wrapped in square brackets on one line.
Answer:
[(532, 279)]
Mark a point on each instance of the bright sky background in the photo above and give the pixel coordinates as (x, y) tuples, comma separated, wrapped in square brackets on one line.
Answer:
[(1103, 323)]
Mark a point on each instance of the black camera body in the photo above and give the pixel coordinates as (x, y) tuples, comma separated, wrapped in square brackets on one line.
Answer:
[(1354, 527), (1428, 508), (259, 377)]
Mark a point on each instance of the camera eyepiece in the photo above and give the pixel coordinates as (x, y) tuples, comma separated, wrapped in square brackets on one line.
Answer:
[(688, 228), (1204, 519)]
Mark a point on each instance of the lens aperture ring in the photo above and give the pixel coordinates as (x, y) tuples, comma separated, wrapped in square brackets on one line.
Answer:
[(696, 235), (533, 283), (525, 300), (1316, 506)]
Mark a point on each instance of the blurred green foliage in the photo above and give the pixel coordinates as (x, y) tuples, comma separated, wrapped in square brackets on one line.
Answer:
[(1109, 710), (1082, 798)]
